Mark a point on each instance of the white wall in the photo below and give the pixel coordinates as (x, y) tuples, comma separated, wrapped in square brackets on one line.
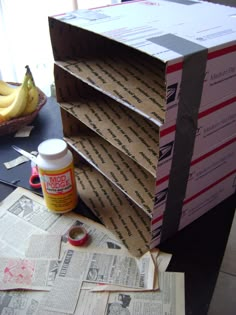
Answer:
[(25, 37)]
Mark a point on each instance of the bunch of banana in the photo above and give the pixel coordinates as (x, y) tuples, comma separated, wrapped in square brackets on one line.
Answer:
[(20, 100)]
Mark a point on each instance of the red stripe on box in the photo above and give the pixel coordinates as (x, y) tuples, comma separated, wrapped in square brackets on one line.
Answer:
[(213, 151), (162, 180), (168, 130), (217, 107), (154, 221), (209, 187), (175, 67), (221, 52)]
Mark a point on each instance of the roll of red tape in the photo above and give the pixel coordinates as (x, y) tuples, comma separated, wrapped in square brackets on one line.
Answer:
[(77, 235)]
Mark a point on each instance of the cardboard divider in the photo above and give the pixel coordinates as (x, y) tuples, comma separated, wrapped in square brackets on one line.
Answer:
[(130, 133)]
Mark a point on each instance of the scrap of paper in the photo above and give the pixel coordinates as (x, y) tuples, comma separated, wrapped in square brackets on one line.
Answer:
[(24, 132), (13, 163), (25, 273)]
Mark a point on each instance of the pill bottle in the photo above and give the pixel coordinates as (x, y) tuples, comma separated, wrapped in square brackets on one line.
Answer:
[(57, 177)]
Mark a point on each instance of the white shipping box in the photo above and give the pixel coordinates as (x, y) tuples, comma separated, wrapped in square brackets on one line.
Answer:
[(145, 88)]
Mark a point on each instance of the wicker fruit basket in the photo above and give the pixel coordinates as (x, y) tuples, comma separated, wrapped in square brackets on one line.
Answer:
[(15, 124)]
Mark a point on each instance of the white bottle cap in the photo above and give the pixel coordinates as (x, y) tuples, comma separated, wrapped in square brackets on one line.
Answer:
[(52, 148)]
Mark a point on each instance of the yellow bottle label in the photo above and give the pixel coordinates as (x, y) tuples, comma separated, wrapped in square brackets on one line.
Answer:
[(59, 189)]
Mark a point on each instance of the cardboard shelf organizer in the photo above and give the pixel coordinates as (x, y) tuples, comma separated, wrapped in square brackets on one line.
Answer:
[(149, 111)]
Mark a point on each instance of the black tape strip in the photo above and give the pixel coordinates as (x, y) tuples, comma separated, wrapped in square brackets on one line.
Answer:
[(185, 2), (194, 65)]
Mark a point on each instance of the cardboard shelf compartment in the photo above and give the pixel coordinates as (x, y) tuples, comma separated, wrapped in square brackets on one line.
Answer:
[(129, 132), (117, 212), (126, 79), (134, 78), (124, 132), (123, 172)]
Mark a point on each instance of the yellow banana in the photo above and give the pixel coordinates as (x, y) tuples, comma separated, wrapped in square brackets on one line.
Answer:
[(18, 105), (33, 98), (33, 94), (6, 100), (5, 88)]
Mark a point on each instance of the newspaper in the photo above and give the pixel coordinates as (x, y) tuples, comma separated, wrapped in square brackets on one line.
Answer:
[(101, 267), (23, 214), (29, 229), (93, 303), (169, 300)]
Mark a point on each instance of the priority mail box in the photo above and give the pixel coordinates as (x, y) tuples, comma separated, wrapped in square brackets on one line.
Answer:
[(215, 123), (199, 203), (146, 88), (205, 171)]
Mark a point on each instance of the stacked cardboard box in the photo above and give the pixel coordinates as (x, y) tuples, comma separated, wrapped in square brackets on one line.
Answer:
[(147, 95)]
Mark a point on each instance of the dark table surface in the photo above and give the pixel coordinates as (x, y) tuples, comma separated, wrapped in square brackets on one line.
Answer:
[(197, 250)]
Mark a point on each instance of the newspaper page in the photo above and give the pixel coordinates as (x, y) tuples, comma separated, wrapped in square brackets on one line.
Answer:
[(111, 267), (23, 214), (169, 300), (33, 274), (33, 302), (161, 261), (20, 302)]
